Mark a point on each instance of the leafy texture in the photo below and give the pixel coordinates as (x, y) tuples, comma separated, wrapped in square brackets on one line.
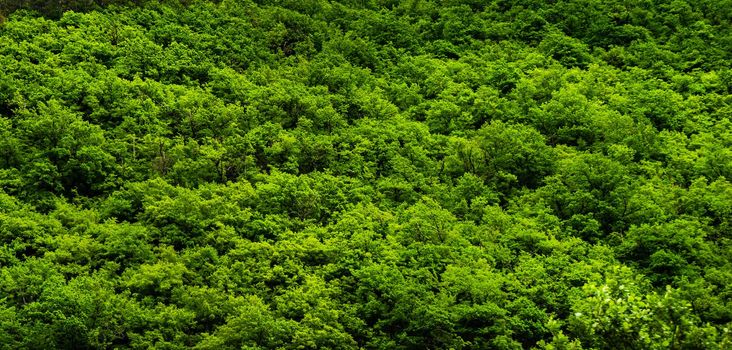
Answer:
[(365, 174)]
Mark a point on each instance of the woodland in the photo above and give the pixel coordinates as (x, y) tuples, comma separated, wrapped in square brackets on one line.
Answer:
[(366, 174)]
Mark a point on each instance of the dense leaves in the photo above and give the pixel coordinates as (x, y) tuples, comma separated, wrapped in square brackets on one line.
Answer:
[(380, 175)]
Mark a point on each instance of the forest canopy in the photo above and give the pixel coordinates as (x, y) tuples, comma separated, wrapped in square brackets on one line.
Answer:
[(378, 174)]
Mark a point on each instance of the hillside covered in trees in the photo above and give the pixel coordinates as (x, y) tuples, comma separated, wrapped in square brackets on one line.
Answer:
[(376, 174)]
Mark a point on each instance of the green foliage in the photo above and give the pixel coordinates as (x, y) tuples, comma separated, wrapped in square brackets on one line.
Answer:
[(365, 174)]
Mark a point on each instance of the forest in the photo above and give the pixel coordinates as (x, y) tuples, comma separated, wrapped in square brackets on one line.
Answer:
[(366, 174)]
